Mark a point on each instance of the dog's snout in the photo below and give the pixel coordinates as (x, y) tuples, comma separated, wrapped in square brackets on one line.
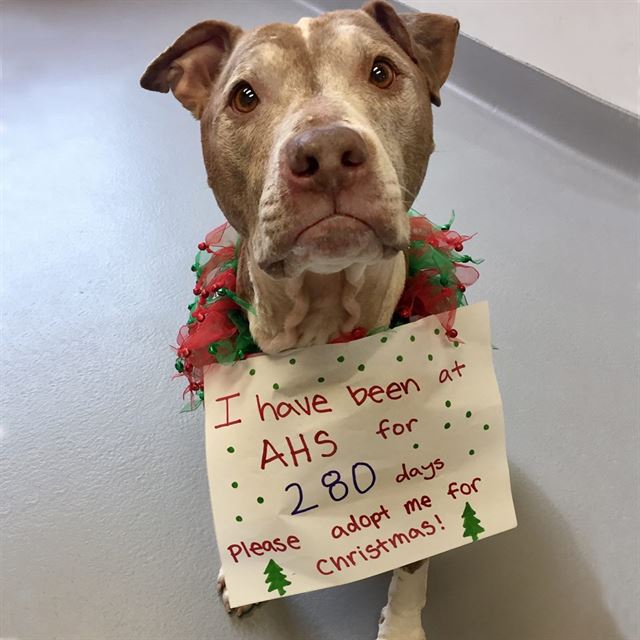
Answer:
[(326, 157)]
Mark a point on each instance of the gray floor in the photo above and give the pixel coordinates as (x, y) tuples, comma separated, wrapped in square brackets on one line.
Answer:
[(107, 530)]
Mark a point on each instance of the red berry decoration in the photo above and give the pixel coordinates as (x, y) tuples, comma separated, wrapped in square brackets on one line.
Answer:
[(197, 290), (202, 246), (462, 288), (188, 367), (404, 312), (459, 246), (452, 333), (183, 352)]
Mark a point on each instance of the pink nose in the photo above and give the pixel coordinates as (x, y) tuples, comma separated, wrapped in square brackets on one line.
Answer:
[(327, 158)]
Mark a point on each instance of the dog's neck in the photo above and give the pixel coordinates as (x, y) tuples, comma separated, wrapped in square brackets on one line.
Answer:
[(314, 308)]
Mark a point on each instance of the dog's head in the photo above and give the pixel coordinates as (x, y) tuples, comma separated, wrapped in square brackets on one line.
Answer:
[(316, 136)]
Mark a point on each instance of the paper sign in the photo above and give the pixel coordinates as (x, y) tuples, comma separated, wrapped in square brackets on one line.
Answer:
[(333, 463)]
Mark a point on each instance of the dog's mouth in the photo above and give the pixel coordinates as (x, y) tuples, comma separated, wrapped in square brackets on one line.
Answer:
[(332, 228), (331, 243)]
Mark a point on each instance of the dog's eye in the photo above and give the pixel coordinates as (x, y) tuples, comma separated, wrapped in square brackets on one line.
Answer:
[(382, 74), (243, 98)]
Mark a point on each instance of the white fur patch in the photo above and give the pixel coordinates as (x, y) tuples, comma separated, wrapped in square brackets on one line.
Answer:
[(304, 24)]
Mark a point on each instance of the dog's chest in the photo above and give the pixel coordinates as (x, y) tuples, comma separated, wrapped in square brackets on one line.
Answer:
[(316, 308), (322, 308)]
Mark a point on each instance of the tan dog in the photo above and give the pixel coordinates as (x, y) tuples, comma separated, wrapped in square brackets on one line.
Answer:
[(316, 139)]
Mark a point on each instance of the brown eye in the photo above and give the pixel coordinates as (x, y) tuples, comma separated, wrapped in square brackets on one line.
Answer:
[(382, 74), (244, 99)]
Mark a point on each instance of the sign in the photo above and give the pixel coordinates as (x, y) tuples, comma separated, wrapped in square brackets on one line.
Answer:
[(333, 463)]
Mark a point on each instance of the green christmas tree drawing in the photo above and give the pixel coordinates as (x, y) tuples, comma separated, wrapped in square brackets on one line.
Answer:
[(471, 524), (276, 579)]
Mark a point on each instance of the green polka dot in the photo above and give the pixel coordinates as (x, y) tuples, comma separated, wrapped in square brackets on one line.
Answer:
[(252, 372), (447, 425), (486, 427), (430, 357), (436, 331), (399, 358), (230, 449), (360, 367), (320, 379), (447, 403), (468, 414), (456, 344), (412, 338), (238, 518), (260, 500), (276, 386), (340, 358), (416, 445), (234, 485), (292, 361), (383, 339), (472, 452)]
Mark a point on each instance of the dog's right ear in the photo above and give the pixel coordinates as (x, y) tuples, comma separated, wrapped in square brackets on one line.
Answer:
[(191, 64)]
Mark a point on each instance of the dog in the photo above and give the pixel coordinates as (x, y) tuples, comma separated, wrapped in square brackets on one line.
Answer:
[(316, 139)]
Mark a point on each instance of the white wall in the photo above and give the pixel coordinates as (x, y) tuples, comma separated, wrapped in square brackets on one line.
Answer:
[(593, 45)]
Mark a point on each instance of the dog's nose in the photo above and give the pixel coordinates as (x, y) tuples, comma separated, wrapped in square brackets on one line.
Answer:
[(326, 157)]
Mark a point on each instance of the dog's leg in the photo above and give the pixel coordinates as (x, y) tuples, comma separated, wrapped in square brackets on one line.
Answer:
[(401, 618), (221, 587)]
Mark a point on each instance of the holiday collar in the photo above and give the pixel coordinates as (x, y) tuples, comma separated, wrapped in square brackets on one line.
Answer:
[(217, 330)]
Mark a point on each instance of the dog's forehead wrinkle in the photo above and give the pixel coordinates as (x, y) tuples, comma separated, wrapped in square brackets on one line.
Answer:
[(343, 32), (286, 35), (347, 30), (269, 46), (264, 55)]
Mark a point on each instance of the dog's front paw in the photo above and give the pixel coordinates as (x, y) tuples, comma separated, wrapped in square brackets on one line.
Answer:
[(393, 627), (221, 587), (418, 635)]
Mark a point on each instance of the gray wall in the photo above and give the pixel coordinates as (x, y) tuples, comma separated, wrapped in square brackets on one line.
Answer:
[(107, 529)]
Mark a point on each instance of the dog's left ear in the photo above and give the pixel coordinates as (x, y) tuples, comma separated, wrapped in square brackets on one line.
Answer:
[(429, 39)]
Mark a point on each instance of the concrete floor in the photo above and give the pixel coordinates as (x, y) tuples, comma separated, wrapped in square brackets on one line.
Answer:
[(107, 529)]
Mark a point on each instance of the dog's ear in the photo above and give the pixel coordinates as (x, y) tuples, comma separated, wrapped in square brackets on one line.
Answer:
[(434, 38), (429, 39), (191, 64), (387, 18)]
